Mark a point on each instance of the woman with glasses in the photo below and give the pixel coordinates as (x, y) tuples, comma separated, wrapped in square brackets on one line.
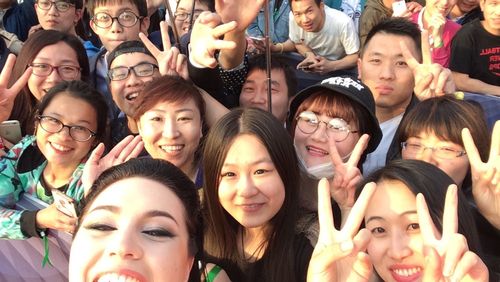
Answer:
[(61, 15), (70, 121), (333, 125), (434, 132), (52, 57)]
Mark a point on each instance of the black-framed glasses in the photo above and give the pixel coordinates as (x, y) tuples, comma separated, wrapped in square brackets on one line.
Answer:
[(125, 19), (61, 6), (413, 149), (53, 125), (66, 72), (336, 128), (140, 70)]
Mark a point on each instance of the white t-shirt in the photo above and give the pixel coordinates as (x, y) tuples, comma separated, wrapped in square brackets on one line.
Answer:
[(376, 159), (335, 40)]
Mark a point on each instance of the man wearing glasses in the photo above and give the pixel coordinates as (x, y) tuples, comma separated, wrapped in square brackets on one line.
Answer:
[(59, 15), (131, 65), (114, 22)]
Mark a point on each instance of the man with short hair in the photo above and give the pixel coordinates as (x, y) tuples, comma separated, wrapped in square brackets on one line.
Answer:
[(327, 38), (475, 52), (131, 66), (59, 15)]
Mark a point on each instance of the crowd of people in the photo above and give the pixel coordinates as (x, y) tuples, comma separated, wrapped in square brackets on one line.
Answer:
[(374, 155)]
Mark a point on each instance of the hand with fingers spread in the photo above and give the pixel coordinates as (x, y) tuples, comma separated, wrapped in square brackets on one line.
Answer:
[(431, 79), (170, 60), (447, 257), (338, 254), (347, 174), (52, 218), (130, 147), (8, 95), (205, 39), (243, 12), (485, 175)]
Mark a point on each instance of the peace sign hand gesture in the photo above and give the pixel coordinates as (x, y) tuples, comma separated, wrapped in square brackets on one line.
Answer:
[(338, 254), (347, 175), (447, 258), (485, 176), (8, 95), (431, 79), (170, 60)]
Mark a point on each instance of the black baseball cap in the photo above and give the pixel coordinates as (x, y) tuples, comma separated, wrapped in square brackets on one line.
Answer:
[(126, 47), (352, 89)]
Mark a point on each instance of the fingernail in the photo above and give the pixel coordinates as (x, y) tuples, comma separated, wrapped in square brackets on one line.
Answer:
[(346, 246), (447, 272)]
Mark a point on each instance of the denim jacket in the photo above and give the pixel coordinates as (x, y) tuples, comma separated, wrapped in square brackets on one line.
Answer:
[(279, 23)]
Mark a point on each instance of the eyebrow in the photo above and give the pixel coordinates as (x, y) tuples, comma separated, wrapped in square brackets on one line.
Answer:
[(139, 63), (44, 59), (151, 213), (178, 111), (58, 116), (273, 82), (381, 218), (258, 161), (375, 53)]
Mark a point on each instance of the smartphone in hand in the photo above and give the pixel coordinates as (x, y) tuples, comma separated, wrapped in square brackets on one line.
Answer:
[(64, 203)]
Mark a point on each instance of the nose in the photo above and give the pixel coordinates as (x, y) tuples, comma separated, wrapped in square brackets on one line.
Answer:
[(170, 129), (54, 77), (64, 133), (246, 186), (399, 248), (387, 71), (304, 18), (320, 134), (426, 155), (116, 27), (260, 97), (53, 10), (124, 245), (133, 80)]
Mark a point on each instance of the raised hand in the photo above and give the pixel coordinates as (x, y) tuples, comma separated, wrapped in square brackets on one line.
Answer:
[(431, 79), (347, 174), (8, 95), (436, 26), (243, 12), (447, 256), (485, 175), (205, 39), (170, 60), (130, 147), (338, 254), (51, 217)]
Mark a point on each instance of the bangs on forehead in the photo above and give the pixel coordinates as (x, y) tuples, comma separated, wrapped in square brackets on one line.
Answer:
[(326, 102), (94, 4), (437, 123)]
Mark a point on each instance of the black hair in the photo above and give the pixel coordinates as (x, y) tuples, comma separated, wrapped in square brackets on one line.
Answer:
[(83, 91), (395, 26), (277, 63), (173, 179), (141, 5)]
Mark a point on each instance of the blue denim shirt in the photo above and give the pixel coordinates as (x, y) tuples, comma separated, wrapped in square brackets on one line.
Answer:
[(279, 23)]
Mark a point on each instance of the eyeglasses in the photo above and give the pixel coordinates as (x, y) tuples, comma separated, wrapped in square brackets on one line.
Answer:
[(182, 16), (61, 6), (125, 19), (53, 125), (66, 72), (140, 70), (413, 149), (336, 128)]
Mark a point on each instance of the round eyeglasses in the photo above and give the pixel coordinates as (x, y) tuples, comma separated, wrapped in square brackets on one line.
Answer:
[(61, 6), (125, 19), (66, 72), (336, 128), (53, 125), (140, 70), (411, 150)]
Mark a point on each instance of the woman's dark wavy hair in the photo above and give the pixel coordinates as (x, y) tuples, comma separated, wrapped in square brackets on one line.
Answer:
[(25, 103), (432, 182), (173, 179), (82, 91), (221, 234)]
